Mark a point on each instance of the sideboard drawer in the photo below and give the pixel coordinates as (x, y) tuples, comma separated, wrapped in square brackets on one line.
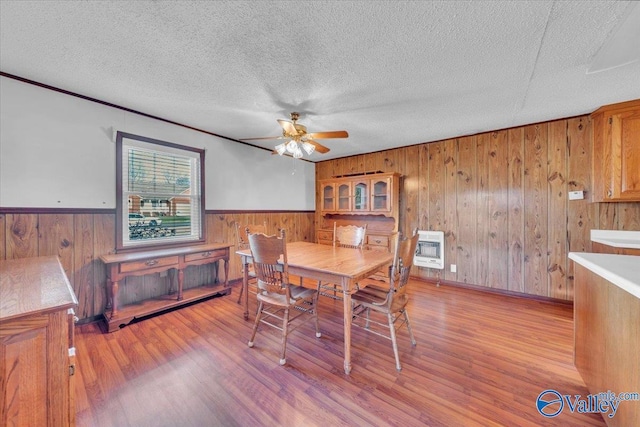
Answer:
[(127, 267), (205, 255), (325, 237), (376, 241)]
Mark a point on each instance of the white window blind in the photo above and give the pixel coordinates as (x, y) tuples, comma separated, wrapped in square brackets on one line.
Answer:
[(161, 193)]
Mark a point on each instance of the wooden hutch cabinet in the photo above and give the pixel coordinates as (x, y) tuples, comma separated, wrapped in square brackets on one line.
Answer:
[(616, 152), (37, 354), (370, 198)]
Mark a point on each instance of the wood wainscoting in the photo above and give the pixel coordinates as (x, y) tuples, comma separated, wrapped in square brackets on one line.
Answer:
[(80, 237)]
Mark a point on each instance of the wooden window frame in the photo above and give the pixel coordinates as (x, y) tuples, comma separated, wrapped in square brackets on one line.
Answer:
[(197, 235)]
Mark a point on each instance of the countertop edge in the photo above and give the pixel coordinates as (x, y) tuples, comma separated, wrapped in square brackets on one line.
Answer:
[(628, 278), (617, 238), (617, 243)]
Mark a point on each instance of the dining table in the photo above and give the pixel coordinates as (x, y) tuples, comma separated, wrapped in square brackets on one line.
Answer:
[(330, 264)]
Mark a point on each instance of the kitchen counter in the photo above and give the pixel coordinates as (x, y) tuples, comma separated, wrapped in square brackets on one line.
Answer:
[(617, 238), (621, 270), (606, 321)]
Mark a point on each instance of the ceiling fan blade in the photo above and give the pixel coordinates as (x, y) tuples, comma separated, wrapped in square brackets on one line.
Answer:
[(288, 127), (328, 135), (319, 147), (264, 137)]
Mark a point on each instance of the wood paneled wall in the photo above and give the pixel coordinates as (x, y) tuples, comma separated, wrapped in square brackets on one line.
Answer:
[(502, 200), (80, 239)]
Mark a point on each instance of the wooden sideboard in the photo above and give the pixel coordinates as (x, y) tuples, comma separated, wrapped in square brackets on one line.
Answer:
[(369, 198), (37, 354), (175, 260)]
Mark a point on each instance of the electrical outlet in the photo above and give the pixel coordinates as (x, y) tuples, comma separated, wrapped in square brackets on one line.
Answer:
[(454, 268)]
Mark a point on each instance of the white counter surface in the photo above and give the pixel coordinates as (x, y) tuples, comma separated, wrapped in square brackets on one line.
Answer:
[(617, 238), (621, 270)]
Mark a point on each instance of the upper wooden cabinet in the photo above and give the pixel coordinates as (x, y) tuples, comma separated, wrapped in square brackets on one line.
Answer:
[(369, 198), (328, 197), (375, 194), (616, 152)]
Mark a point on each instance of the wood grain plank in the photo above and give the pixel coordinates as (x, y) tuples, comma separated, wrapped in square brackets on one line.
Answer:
[(498, 210), (436, 200), (606, 216), (104, 242), (629, 216), (58, 239), (558, 195), (466, 209), (516, 210), (84, 263), (3, 237), (436, 184), (21, 235), (535, 209), (580, 212), (483, 221), (450, 159), (410, 213)]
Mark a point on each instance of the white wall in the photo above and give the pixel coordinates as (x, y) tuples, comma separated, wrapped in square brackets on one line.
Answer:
[(57, 151)]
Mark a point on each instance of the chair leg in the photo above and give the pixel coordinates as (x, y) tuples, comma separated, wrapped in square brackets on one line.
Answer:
[(240, 295), (255, 324), (394, 342), (285, 327), (315, 314), (406, 319)]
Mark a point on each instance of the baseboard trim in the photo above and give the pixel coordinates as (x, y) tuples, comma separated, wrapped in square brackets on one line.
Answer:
[(503, 292)]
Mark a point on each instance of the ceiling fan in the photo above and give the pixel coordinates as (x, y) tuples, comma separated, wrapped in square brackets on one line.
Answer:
[(299, 139)]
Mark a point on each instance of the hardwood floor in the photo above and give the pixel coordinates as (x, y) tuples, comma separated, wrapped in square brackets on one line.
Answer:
[(482, 359)]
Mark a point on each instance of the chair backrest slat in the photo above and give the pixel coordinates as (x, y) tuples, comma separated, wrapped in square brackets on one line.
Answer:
[(401, 267), (269, 255), (349, 236)]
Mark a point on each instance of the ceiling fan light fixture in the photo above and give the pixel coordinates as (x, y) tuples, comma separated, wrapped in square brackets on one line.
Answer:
[(298, 141), (309, 148), (291, 146), (297, 153), (281, 148)]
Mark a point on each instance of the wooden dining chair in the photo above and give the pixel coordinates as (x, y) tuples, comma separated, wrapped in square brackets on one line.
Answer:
[(387, 302), (278, 299), (242, 242), (344, 236)]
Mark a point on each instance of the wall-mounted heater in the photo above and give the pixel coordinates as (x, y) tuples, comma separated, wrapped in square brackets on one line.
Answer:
[(430, 249)]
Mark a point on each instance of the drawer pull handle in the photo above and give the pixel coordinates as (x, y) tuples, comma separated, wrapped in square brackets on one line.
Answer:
[(206, 254), (378, 241), (151, 262)]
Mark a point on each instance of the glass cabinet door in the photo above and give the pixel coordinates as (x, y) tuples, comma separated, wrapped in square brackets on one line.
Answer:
[(361, 196), (328, 198), (380, 197), (344, 197)]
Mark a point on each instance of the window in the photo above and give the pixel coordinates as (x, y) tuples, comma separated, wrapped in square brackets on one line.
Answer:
[(160, 193)]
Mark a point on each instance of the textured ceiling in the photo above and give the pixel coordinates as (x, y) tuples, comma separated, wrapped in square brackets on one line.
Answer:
[(390, 73)]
